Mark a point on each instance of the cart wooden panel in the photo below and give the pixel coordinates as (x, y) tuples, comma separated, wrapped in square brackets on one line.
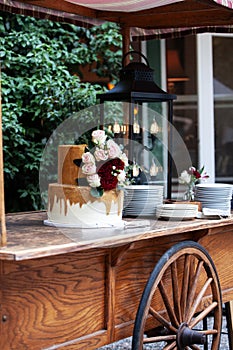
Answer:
[(79, 289)]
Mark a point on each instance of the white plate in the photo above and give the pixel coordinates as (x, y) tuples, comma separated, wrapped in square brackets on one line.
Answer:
[(179, 206), (217, 186), (173, 217), (144, 187)]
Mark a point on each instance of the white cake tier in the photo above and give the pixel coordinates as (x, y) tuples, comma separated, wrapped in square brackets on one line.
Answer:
[(73, 206)]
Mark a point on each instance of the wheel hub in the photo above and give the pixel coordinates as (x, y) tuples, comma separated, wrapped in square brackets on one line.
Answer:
[(187, 337)]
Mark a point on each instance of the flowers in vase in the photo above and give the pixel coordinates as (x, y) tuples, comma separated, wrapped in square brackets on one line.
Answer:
[(190, 178)]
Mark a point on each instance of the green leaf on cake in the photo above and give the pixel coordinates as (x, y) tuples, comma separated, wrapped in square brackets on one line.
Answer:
[(97, 192)]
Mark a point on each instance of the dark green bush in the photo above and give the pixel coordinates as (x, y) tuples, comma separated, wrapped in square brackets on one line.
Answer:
[(39, 91)]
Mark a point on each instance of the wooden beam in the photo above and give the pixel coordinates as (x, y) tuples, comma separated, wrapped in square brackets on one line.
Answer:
[(2, 199), (125, 31), (177, 20)]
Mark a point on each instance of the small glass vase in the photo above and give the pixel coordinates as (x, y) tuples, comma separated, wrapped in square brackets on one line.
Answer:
[(189, 194)]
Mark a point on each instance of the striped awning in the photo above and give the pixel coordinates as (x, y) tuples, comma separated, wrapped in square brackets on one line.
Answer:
[(27, 9), (121, 5), (227, 3), (145, 18)]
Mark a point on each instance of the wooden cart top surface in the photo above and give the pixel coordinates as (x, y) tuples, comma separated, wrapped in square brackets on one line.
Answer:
[(29, 238)]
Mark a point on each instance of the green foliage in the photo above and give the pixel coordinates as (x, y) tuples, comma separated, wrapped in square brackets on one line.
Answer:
[(39, 90)]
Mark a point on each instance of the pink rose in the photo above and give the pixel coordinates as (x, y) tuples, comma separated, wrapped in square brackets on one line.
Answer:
[(100, 154), (191, 170), (98, 137), (114, 150), (89, 168), (93, 180), (88, 158)]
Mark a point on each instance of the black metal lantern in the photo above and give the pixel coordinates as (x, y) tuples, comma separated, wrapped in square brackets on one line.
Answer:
[(137, 87)]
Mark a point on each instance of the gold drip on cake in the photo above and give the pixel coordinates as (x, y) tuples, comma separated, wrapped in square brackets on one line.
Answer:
[(69, 195)]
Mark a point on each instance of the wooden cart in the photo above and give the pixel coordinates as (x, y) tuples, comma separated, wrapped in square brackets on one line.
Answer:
[(81, 289)]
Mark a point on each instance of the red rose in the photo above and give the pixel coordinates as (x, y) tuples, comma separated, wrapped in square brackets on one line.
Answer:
[(106, 173), (196, 174)]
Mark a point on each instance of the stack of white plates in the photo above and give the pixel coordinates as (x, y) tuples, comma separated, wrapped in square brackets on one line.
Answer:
[(214, 196), (177, 211), (142, 200)]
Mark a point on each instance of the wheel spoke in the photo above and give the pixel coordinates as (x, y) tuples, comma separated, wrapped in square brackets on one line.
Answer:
[(159, 338), (185, 284), (162, 320), (191, 272), (209, 331), (203, 314), (170, 346), (167, 304), (193, 286), (175, 290), (194, 347), (198, 299)]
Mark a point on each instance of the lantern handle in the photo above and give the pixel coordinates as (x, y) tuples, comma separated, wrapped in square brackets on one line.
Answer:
[(133, 52)]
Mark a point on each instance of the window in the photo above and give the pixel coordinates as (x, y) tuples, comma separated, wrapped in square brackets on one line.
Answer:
[(223, 107)]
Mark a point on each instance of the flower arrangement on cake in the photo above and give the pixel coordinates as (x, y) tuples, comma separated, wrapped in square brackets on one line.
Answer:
[(190, 178), (104, 165)]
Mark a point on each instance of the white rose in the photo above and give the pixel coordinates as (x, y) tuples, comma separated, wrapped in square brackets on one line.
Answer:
[(88, 158), (185, 177), (114, 150), (121, 176), (93, 180), (98, 137)]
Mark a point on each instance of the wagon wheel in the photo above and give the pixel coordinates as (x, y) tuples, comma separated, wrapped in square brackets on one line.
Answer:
[(181, 291)]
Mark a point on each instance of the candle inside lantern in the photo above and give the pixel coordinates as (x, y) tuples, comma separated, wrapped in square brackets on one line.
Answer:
[(154, 128), (124, 129), (153, 169), (116, 128), (135, 170), (136, 128)]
